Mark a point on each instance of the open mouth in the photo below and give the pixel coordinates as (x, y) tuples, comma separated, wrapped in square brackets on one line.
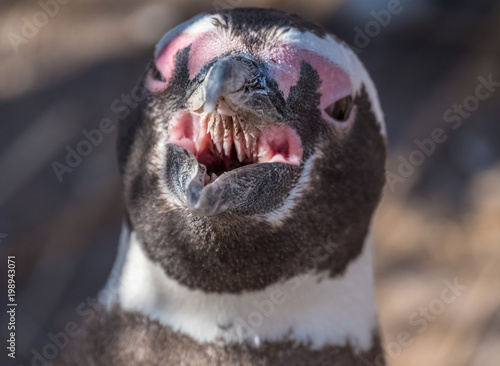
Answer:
[(222, 141)]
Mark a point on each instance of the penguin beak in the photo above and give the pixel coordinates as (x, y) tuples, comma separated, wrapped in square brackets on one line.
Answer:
[(231, 121), (238, 84), (226, 77)]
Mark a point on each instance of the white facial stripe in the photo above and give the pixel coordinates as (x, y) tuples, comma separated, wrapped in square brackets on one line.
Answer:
[(332, 311), (326, 47), (197, 25)]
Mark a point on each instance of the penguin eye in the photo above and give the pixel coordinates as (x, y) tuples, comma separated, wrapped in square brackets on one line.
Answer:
[(341, 109), (156, 74)]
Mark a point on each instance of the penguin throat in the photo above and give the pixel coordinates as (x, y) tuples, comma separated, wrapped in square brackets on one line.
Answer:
[(224, 142)]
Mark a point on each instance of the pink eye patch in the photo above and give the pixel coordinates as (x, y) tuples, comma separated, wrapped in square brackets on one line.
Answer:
[(204, 48)]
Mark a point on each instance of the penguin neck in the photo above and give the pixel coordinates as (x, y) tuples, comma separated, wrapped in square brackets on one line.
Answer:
[(310, 308)]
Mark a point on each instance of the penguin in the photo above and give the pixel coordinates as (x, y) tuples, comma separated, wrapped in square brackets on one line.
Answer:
[(250, 173)]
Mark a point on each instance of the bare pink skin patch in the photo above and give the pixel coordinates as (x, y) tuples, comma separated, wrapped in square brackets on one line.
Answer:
[(204, 48), (208, 46), (284, 64)]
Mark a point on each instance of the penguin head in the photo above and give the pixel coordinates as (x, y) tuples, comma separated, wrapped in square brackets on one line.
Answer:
[(261, 141)]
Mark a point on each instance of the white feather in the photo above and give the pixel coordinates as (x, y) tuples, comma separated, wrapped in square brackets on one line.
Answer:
[(331, 311), (197, 25)]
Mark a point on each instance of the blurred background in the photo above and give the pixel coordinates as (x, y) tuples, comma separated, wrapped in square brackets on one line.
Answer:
[(439, 220)]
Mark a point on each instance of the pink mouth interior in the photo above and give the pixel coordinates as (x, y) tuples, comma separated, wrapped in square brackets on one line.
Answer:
[(222, 143)]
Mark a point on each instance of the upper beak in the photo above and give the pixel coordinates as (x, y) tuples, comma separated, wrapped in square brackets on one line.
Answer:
[(227, 77), (240, 82)]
